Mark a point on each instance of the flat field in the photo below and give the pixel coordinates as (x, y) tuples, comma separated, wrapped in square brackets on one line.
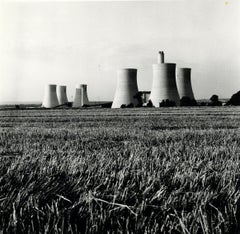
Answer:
[(173, 170)]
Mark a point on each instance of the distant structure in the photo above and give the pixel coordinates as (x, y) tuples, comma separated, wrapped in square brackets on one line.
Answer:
[(127, 89), (81, 97), (145, 96), (50, 99), (164, 82), (184, 84), (62, 94), (77, 97), (160, 57)]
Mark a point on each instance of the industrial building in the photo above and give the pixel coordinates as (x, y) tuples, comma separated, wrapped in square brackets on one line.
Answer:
[(166, 88), (127, 89), (164, 82), (144, 96)]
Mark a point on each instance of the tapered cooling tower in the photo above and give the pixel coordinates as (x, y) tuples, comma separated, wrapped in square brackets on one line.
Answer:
[(84, 94), (62, 94), (127, 88), (184, 83), (81, 97), (77, 97), (50, 96), (164, 82)]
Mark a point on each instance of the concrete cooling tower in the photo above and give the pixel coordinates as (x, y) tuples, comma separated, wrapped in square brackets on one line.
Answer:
[(62, 94), (164, 82), (50, 96), (84, 94), (127, 88), (81, 97), (184, 83)]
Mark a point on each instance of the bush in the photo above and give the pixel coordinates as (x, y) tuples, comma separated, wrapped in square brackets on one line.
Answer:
[(187, 101), (234, 100), (149, 104), (167, 103), (214, 101)]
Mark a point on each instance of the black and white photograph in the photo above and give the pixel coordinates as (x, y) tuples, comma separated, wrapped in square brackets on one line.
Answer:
[(120, 117)]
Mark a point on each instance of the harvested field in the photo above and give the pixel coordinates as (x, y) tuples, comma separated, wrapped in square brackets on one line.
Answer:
[(146, 170)]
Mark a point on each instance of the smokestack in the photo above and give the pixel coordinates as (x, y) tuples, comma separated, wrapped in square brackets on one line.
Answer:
[(50, 96), (62, 94), (184, 83), (127, 88), (160, 57), (81, 97)]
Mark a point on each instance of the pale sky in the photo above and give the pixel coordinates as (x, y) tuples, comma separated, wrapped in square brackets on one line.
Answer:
[(47, 42)]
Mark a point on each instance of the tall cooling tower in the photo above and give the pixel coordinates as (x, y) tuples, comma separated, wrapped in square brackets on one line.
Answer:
[(184, 83), (164, 82), (81, 97), (127, 88), (84, 94), (77, 97), (62, 94), (50, 96)]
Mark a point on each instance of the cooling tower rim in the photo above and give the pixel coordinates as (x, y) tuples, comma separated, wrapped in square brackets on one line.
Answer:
[(127, 69), (162, 64), (184, 68), (79, 86), (51, 85)]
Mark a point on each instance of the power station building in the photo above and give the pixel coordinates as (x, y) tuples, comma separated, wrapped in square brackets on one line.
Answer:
[(81, 96), (164, 82), (127, 89), (184, 84), (62, 94), (168, 87), (50, 99)]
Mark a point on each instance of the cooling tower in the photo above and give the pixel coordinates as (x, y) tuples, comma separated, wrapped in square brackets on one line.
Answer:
[(164, 82), (62, 94), (50, 96), (77, 97), (184, 83), (81, 97), (84, 94), (127, 88)]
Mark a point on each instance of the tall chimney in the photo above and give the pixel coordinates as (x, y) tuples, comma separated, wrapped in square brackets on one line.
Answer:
[(160, 57)]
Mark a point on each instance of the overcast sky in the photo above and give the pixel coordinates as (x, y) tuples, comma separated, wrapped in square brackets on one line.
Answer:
[(76, 42)]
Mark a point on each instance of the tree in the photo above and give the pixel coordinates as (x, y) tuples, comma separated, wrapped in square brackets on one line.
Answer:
[(234, 100), (214, 101), (167, 103), (187, 101)]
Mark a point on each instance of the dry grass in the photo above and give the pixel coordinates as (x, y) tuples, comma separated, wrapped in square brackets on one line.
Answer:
[(174, 170)]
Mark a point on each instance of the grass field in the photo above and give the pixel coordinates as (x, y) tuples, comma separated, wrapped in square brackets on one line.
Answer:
[(173, 170)]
